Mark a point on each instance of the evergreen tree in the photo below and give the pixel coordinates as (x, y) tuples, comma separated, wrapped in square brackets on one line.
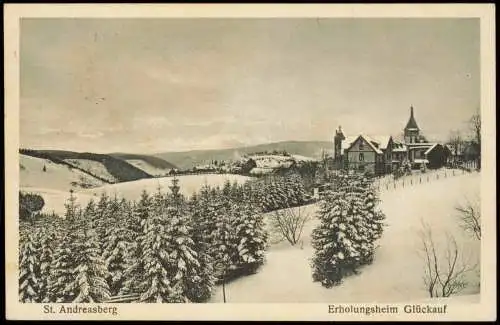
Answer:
[(90, 283), (28, 277), (135, 265), (60, 286), (116, 246), (349, 226), (157, 284), (199, 287), (62, 276), (48, 242), (250, 237)]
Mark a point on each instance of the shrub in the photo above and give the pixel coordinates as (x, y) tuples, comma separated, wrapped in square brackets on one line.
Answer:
[(29, 203)]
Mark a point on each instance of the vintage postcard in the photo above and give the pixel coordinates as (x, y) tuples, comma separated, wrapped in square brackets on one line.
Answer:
[(250, 162)]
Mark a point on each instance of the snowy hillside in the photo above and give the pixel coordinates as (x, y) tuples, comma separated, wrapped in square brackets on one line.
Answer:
[(55, 176), (148, 168), (188, 184), (55, 199), (267, 164), (396, 273), (93, 167)]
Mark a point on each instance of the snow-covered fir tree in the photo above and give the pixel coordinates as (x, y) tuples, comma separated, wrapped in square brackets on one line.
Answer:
[(199, 287), (47, 238), (250, 236), (89, 285), (349, 226), (117, 244), (136, 225), (28, 264), (157, 284), (60, 286)]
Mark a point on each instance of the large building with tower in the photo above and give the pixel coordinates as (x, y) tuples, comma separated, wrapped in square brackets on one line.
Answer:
[(383, 154)]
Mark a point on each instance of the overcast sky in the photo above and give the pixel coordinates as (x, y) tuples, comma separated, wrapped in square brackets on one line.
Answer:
[(153, 85)]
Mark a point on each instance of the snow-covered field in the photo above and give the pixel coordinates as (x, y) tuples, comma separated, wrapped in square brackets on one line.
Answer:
[(188, 184), (56, 176), (93, 167), (148, 168), (396, 273), (55, 198)]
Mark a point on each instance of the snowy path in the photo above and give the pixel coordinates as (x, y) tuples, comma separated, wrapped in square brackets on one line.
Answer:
[(396, 273)]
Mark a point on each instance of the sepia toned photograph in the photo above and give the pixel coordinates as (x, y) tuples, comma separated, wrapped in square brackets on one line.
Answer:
[(214, 160)]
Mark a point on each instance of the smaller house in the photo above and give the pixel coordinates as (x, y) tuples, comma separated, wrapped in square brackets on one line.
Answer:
[(363, 153)]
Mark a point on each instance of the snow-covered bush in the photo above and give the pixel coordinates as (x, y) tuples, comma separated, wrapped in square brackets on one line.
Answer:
[(349, 226)]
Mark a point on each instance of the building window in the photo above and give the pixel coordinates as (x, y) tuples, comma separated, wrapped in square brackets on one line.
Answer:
[(361, 145), (361, 157)]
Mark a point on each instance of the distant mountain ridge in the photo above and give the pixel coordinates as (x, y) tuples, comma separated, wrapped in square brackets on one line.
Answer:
[(189, 159), (120, 170)]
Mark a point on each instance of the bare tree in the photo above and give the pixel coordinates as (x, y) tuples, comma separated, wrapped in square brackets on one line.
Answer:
[(445, 268), (456, 143), (470, 217), (289, 223), (475, 125)]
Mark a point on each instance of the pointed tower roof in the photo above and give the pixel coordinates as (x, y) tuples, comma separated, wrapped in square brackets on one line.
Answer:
[(412, 124)]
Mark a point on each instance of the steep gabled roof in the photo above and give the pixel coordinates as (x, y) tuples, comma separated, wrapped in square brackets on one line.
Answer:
[(347, 142), (412, 124), (367, 140), (381, 140)]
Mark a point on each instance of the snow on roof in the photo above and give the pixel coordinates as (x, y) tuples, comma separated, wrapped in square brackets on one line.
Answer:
[(348, 141), (382, 140), (368, 140), (421, 144), (370, 143), (431, 148), (375, 142)]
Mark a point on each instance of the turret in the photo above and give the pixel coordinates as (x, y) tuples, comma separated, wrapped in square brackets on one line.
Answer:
[(339, 137), (411, 130)]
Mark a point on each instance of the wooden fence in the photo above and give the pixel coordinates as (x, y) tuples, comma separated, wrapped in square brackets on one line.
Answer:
[(388, 182)]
